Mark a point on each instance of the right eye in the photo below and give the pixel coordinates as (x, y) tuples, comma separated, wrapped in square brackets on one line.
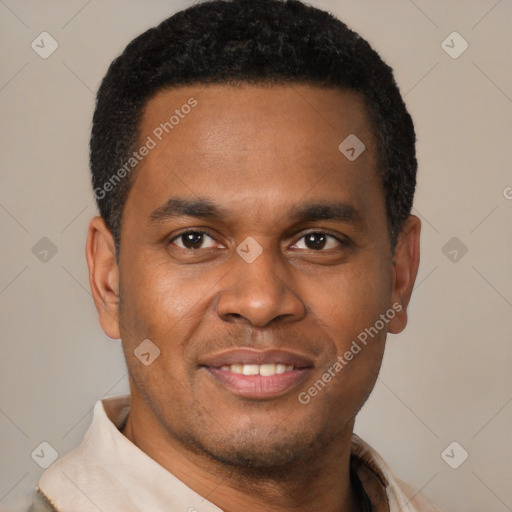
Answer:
[(193, 240)]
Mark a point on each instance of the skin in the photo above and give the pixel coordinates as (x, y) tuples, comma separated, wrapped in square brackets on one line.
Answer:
[(256, 152)]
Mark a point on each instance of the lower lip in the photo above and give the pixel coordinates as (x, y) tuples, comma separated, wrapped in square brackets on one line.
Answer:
[(257, 386)]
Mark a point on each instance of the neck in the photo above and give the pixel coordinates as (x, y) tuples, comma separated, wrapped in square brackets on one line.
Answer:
[(318, 482)]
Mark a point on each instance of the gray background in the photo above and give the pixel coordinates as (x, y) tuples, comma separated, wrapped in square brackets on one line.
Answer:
[(446, 378)]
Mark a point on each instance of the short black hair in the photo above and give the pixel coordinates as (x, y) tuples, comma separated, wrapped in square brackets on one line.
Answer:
[(254, 42)]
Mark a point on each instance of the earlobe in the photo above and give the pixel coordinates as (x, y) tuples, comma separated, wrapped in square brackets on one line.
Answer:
[(103, 275), (405, 268)]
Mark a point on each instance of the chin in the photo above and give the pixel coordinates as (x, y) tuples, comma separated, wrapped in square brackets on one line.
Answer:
[(259, 453)]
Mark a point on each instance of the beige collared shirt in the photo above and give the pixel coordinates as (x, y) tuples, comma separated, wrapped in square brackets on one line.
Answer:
[(108, 473)]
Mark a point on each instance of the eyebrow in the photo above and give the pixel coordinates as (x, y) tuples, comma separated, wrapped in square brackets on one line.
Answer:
[(180, 207), (326, 210), (307, 212)]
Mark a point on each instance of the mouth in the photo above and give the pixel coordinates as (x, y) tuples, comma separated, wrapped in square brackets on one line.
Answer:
[(258, 374)]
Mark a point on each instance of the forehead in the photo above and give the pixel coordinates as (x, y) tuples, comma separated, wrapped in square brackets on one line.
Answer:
[(253, 144)]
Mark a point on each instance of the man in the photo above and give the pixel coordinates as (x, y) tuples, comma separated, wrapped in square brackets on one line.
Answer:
[(254, 167)]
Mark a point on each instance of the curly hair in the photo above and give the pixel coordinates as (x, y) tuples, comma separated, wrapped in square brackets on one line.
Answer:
[(255, 42)]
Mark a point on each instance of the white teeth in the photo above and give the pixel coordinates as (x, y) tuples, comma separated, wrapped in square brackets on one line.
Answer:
[(251, 369), (280, 368), (236, 368), (265, 370)]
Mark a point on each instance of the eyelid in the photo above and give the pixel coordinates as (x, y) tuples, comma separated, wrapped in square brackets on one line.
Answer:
[(341, 239), (203, 231)]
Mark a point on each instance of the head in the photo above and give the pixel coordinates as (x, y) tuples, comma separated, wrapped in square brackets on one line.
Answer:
[(231, 218)]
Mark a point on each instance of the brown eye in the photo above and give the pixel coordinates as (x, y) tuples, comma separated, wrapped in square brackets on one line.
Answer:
[(317, 241), (194, 240)]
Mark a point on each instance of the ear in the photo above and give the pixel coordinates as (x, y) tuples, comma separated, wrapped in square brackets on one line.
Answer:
[(103, 275), (406, 260)]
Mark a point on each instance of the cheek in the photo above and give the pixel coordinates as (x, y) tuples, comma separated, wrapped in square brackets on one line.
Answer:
[(166, 307), (350, 307), (154, 308), (352, 316), (158, 297), (352, 299)]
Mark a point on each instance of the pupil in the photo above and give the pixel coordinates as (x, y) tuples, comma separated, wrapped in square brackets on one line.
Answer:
[(192, 240), (315, 240)]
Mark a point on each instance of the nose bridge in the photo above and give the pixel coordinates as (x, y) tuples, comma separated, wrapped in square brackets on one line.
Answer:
[(258, 288)]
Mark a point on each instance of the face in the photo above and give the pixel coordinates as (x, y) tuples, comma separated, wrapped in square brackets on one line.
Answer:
[(254, 254)]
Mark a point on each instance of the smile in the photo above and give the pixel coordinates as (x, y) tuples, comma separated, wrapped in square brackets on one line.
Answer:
[(265, 370), (257, 374)]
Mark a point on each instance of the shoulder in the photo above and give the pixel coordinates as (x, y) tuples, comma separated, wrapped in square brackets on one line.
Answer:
[(418, 500), (41, 503), (383, 482)]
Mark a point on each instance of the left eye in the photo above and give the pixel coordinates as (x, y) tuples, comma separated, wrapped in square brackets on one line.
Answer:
[(317, 241), (194, 240)]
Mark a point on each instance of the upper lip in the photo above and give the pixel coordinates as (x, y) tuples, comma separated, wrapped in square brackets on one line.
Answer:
[(253, 356)]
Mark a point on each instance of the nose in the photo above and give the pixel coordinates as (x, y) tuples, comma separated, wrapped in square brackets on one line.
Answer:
[(260, 292)]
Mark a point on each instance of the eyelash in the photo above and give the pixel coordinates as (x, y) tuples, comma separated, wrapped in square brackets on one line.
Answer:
[(343, 242)]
